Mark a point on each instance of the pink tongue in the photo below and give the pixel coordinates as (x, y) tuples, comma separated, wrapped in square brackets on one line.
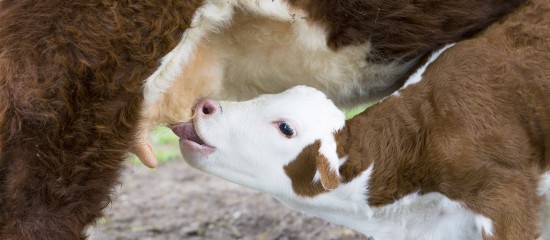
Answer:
[(186, 131)]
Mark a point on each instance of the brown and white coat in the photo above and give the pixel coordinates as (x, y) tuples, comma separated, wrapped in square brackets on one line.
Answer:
[(461, 152)]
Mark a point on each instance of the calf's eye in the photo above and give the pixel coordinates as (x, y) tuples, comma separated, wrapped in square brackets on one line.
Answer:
[(286, 129)]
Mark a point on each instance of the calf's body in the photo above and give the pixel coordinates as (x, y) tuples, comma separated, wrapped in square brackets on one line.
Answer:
[(461, 152), (476, 129)]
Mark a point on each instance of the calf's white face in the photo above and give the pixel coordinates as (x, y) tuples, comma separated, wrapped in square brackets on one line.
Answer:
[(251, 142)]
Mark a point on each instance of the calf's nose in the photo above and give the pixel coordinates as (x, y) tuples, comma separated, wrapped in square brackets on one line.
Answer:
[(206, 108)]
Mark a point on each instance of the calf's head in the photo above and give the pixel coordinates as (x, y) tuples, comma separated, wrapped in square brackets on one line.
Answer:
[(252, 142)]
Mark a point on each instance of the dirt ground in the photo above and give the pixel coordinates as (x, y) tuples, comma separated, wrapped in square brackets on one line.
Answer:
[(178, 202)]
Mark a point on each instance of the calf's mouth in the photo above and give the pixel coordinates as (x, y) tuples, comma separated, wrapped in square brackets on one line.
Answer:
[(190, 139)]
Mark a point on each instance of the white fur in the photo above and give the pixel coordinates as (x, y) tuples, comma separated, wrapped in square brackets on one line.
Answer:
[(544, 186), (266, 46), (250, 150), (328, 149), (428, 216), (485, 223), (544, 189), (417, 76)]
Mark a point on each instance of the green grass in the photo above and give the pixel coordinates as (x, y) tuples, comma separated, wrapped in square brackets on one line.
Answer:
[(354, 111), (165, 143), (163, 135)]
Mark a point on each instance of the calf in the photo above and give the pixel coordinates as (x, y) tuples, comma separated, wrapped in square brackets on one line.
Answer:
[(461, 152)]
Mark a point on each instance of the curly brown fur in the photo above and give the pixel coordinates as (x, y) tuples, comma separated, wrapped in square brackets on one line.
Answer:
[(71, 77)]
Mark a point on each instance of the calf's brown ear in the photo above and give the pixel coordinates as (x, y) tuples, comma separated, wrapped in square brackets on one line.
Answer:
[(329, 177), (328, 163), (315, 170)]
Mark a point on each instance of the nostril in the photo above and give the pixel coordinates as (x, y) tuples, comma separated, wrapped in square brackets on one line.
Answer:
[(208, 108)]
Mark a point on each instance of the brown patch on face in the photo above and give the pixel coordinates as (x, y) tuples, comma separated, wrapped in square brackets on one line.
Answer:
[(302, 170), (402, 30)]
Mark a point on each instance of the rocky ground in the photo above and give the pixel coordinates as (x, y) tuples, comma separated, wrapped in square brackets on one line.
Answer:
[(178, 202)]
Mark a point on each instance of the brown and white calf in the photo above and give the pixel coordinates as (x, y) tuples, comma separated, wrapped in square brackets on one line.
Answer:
[(461, 152), (83, 81)]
